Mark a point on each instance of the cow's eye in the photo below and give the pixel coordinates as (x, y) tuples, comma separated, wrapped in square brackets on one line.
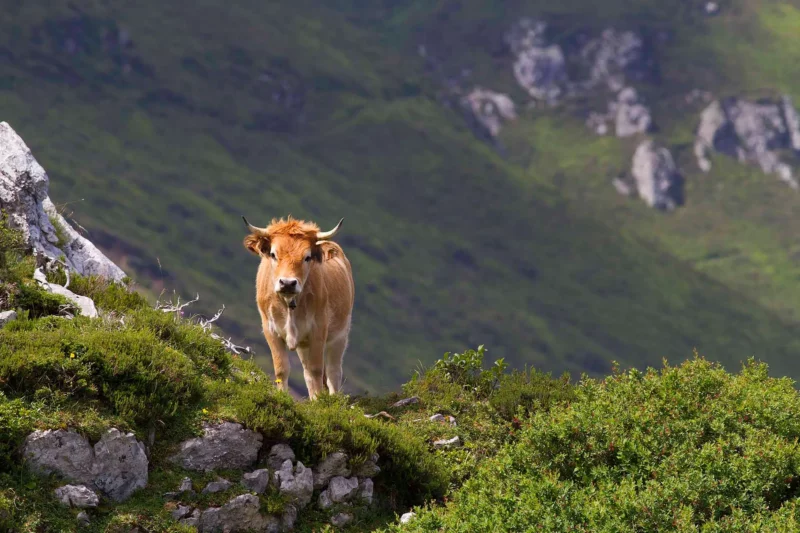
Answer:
[(272, 255), (308, 259)]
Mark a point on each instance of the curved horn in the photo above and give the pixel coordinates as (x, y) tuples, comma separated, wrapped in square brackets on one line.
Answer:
[(253, 228), (325, 235)]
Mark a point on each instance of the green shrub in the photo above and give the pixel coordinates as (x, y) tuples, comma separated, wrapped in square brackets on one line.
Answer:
[(691, 448), (38, 302), (126, 370), (522, 393)]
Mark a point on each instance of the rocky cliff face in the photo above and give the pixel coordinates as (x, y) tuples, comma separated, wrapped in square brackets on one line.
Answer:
[(24, 199)]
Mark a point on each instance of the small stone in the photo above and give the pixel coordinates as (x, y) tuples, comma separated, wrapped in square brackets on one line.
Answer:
[(242, 513), (289, 517), (257, 481), (83, 519), (407, 517), (186, 485), (6, 317), (622, 187), (79, 496), (711, 8), (193, 520), (447, 443), (220, 485), (341, 519), (406, 401), (341, 489), (335, 464), (183, 511), (438, 417), (325, 499), (278, 454), (368, 468), (365, 490)]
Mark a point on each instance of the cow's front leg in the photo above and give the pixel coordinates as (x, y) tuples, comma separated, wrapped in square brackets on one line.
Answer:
[(280, 359), (311, 356)]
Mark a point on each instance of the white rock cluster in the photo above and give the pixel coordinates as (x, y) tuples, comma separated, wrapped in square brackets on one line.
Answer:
[(24, 197)]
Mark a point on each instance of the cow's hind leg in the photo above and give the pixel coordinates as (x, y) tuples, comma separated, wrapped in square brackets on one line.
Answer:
[(334, 354)]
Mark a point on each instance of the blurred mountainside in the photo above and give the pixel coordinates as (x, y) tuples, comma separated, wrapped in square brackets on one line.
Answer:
[(567, 183)]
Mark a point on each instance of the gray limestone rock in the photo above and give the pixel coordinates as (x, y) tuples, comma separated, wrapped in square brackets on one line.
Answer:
[(238, 515), (278, 454), (407, 517), (334, 464), (342, 489), (79, 496), (117, 465), (120, 464), (341, 519), (23, 195), (490, 109), (6, 317), (83, 519), (226, 445), (257, 481), (296, 483), (84, 304), (658, 181), (365, 490), (751, 132), (447, 443), (539, 68), (220, 485)]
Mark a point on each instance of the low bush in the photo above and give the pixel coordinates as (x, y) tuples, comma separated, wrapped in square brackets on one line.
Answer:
[(691, 448)]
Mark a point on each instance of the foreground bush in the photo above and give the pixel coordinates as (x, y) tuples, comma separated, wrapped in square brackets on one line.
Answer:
[(691, 448)]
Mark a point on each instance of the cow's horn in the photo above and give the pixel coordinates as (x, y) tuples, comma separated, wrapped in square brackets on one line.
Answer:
[(325, 235), (252, 228)]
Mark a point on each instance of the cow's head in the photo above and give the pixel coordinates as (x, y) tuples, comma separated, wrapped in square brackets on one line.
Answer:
[(292, 246)]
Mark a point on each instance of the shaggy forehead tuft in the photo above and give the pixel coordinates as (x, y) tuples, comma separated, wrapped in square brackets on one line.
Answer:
[(292, 228)]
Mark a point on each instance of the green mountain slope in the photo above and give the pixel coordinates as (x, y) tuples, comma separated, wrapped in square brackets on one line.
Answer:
[(160, 125)]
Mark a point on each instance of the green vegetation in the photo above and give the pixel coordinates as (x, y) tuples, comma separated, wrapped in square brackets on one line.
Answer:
[(159, 136), (688, 448)]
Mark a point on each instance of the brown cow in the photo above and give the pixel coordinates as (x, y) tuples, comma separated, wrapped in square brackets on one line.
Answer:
[(304, 293)]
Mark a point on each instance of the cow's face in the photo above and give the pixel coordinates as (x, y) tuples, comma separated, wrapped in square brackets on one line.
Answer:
[(292, 259), (292, 247)]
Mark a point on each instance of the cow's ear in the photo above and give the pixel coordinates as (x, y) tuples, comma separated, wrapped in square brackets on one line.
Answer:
[(256, 244)]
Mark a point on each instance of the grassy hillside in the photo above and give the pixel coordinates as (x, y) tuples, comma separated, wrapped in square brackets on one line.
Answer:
[(159, 126)]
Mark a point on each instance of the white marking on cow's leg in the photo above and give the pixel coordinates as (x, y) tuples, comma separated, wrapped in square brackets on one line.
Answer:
[(311, 356), (334, 353), (291, 331)]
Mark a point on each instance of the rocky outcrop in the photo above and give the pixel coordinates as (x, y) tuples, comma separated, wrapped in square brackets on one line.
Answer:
[(334, 464), (223, 446), (84, 304), (614, 58), (116, 465), (489, 109), (296, 483), (539, 68), (752, 132), (658, 181), (23, 196), (79, 496), (242, 513)]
